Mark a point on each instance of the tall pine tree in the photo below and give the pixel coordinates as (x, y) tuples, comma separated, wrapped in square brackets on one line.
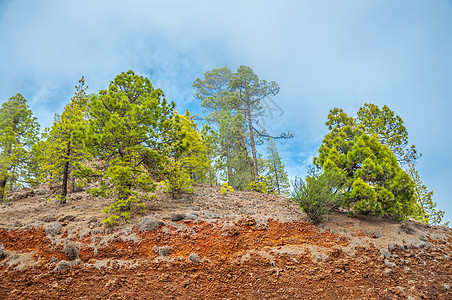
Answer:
[(279, 179), (18, 133), (132, 129), (63, 148)]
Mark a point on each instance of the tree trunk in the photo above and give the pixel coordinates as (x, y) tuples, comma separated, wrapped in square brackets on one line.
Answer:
[(65, 174), (253, 145), (250, 167), (276, 178), (3, 182), (228, 161)]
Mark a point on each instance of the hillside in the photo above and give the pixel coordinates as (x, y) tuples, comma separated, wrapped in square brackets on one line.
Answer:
[(244, 245)]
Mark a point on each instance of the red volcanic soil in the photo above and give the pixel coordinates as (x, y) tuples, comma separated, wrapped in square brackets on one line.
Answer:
[(207, 249)]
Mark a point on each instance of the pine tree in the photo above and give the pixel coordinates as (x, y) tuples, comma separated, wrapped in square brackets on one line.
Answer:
[(209, 138), (279, 179), (390, 131), (63, 148), (132, 130), (249, 93), (233, 150), (18, 133), (229, 97), (232, 160), (373, 181), (427, 207), (194, 157)]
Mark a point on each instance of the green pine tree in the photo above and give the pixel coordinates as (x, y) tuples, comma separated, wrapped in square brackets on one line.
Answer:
[(18, 133), (194, 156), (62, 147), (132, 130), (279, 180), (374, 182), (427, 207)]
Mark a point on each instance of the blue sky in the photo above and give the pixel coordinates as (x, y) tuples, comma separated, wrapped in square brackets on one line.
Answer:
[(323, 54)]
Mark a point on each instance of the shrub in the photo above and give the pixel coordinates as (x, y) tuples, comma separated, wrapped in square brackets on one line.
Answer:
[(71, 251), (148, 223), (53, 229), (318, 195), (123, 207), (177, 181), (259, 186), (177, 216), (226, 189), (2, 252)]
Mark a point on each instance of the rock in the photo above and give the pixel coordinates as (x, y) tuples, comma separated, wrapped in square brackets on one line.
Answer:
[(78, 189), (194, 257), (407, 228), (162, 251), (246, 221), (49, 218), (177, 216), (62, 265), (40, 191), (67, 218), (22, 194), (53, 260)]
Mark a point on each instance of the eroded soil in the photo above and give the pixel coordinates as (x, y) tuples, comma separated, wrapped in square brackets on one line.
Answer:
[(240, 246)]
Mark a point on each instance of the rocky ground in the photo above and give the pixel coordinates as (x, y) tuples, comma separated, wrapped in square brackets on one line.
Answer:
[(244, 245)]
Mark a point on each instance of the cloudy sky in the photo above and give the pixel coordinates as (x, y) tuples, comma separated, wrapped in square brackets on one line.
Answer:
[(323, 54)]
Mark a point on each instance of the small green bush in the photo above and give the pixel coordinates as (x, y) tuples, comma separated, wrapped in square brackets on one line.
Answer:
[(261, 186), (177, 180), (122, 208), (226, 189), (318, 195)]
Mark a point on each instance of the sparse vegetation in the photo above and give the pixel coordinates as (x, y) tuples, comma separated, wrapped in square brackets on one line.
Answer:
[(318, 195), (149, 223), (71, 251), (226, 189), (2, 252), (53, 229), (125, 139), (177, 216)]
